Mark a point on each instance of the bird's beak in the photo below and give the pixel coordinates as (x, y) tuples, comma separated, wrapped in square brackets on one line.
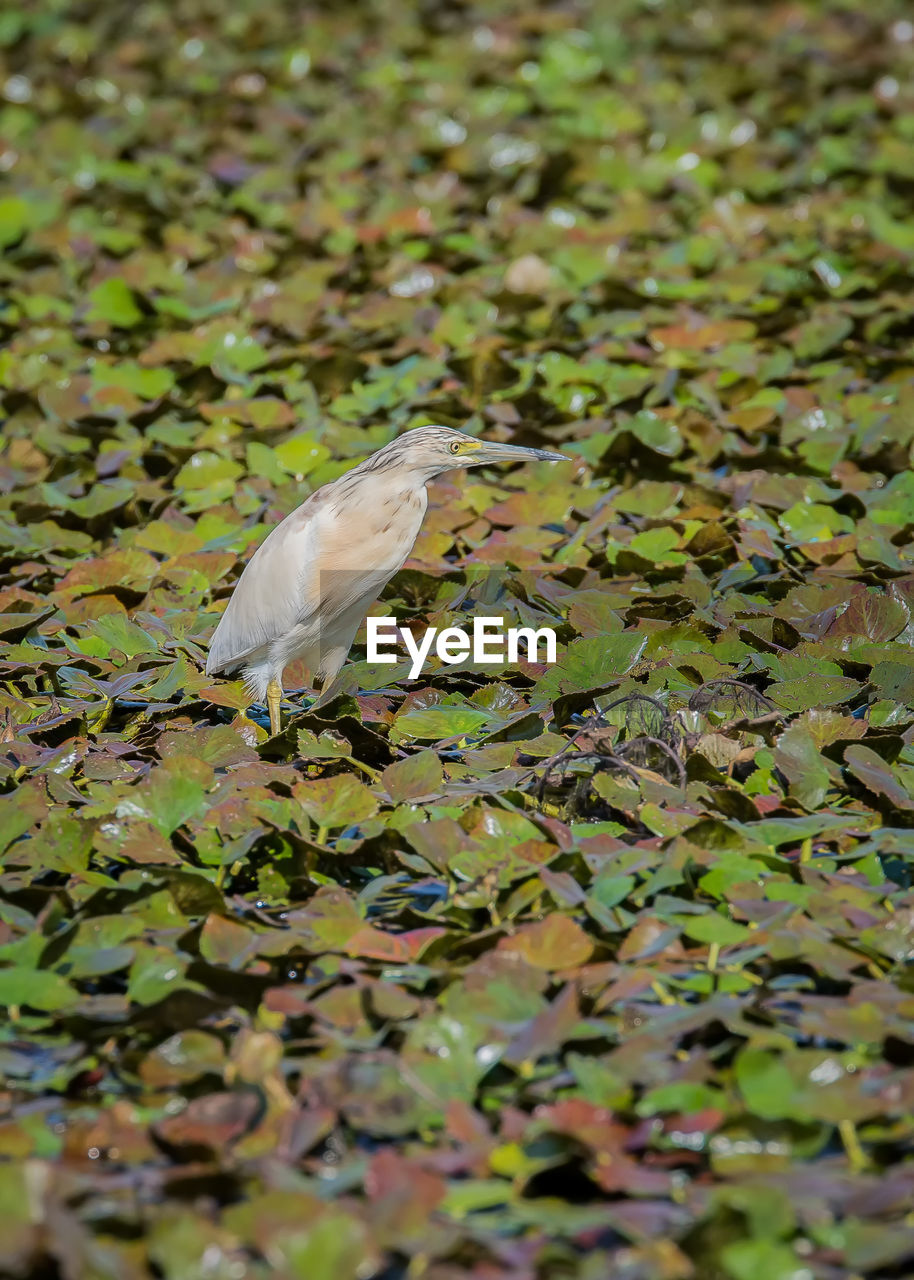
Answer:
[(489, 451)]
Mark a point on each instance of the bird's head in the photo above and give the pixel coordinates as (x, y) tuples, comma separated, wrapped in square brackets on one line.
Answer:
[(432, 450)]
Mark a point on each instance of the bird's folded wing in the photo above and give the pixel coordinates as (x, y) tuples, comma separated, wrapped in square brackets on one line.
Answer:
[(268, 600), (314, 569)]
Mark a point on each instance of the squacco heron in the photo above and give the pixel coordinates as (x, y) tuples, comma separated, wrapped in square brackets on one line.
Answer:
[(309, 585)]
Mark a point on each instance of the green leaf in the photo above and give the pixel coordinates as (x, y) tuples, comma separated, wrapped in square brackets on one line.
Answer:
[(591, 662), (148, 384), (765, 1083), (714, 927), (206, 469), (37, 989), (763, 1260), (876, 776), (300, 455), (113, 302), (174, 792), (417, 776), (821, 333), (685, 1096), (797, 758), (813, 691), (609, 890), (813, 522), (475, 1195), (156, 972), (335, 1247), (116, 632), (438, 722), (657, 545), (327, 745), (15, 219), (339, 801), (656, 432)]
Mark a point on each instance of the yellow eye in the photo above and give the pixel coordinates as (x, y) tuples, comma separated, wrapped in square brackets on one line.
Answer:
[(455, 447)]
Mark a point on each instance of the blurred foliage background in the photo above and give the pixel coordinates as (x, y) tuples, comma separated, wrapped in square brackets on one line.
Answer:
[(600, 969)]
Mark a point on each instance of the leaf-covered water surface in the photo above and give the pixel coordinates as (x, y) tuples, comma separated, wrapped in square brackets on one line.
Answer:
[(600, 968)]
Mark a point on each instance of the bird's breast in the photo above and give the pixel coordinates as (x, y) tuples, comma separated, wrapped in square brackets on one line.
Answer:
[(363, 538)]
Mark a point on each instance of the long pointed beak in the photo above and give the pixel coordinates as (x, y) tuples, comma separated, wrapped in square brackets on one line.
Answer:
[(489, 451)]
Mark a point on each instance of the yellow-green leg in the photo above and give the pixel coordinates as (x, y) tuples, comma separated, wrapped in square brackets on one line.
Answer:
[(274, 697)]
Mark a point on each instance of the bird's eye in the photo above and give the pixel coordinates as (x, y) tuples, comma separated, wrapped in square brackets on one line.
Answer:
[(455, 447)]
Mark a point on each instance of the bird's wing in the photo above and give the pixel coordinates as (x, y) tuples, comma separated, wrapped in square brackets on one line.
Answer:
[(335, 550), (267, 600), (359, 548)]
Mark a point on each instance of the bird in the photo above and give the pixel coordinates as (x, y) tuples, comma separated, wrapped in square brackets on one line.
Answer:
[(309, 585)]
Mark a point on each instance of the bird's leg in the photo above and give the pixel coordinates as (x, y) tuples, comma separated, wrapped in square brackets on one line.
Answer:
[(274, 697), (331, 665)]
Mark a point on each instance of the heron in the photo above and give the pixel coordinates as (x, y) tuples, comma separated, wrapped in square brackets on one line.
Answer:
[(309, 585)]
